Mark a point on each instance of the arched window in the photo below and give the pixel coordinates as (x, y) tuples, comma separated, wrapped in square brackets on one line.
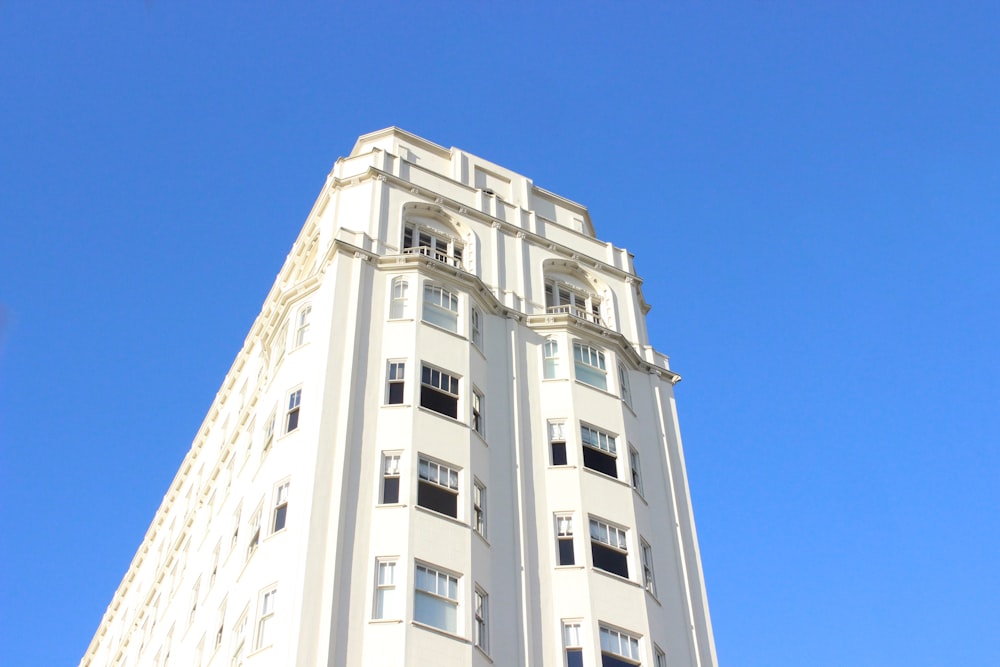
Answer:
[(423, 241), (398, 300), (563, 298)]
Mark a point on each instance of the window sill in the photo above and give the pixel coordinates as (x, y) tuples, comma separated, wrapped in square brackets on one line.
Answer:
[(392, 505), (385, 621), (442, 415), (452, 519), (399, 319), (653, 596), (617, 577), (559, 380), (397, 405), (258, 651), (570, 567), (568, 466), (608, 477), (480, 436), (581, 383), (439, 631), (483, 538), (484, 653), (440, 328)]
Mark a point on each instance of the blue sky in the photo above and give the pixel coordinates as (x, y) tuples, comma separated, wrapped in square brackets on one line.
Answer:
[(812, 191)]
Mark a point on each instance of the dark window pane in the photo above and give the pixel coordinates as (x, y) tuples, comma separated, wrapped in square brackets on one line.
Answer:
[(439, 402), (597, 460), (390, 490), (408, 237), (558, 453), (395, 393), (436, 498), (566, 556), (293, 420), (610, 560), (608, 660), (279, 517), (574, 657)]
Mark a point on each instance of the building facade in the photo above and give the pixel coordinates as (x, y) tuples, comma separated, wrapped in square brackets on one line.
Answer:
[(446, 441)]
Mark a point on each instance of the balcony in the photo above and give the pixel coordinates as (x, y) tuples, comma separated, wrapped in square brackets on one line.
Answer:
[(576, 312), (436, 255)]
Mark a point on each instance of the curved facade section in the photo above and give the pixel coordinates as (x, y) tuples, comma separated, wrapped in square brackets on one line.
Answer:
[(446, 440)]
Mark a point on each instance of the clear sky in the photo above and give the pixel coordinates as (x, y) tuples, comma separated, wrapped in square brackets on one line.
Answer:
[(812, 191)]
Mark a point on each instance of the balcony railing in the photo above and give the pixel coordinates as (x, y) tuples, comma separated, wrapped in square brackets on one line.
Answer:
[(436, 255), (575, 312)]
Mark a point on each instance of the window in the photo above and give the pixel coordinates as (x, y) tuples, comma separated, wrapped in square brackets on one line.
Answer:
[(590, 366), (623, 384), (648, 580), (424, 242), (557, 442), (390, 479), (618, 649), (199, 652), (278, 344), (254, 533), (435, 599), (439, 392), (398, 299), (194, 600), (633, 458), (396, 382), (385, 590), (269, 432), (574, 647), (479, 508), (292, 416), (550, 354), (564, 540), (238, 640), (302, 326), (599, 452), (441, 307), (215, 566), (265, 620), (478, 416), (437, 488), (220, 624), (561, 298), (477, 327), (280, 507), (661, 657), (236, 528), (482, 620), (609, 547)]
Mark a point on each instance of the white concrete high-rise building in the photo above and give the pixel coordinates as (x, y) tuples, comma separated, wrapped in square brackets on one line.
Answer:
[(446, 441)]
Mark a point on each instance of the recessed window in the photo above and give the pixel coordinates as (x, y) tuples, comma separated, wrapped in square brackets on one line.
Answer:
[(292, 415), (479, 508), (561, 298), (557, 442), (439, 391), (254, 533), (618, 649), (550, 354), (390, 478), (302, 326), (213, 571), (564, 540), (239, 640), (236, 528), (590, 365), (648, 580), (437, 487), (265, 620), (609, 548), (194, 600), (599, 451), (478, 414), (481, 618), (396, 382), (280, 513), (476, 327), (573, 644), (623, 384), (220, 624), (418, 240), (633, 459), (435, 599), (385, 589), (661, 657), (399, 298), (441, 307), (268, 433), (278, 344)]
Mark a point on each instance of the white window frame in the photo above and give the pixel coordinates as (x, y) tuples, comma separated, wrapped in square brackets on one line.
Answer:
[(620, 643), (269, 431), (385, 605), (239, 639), (390, 470), (430, 471), (302, 326), (237, 518), (659, 657), (440, 307), (395, 376), (563, 298), (254, 531), (564, 533), (635, 469), (399, 298), (481, 619), (279, 343), (648, 575), (265, 617), (478, 412), (550, 359), (421, 240), (280, 506), (611, 537), (476, 327), (557, 436), (590, 365), (293, 411), (447, 384), (479, 507), (222, 625), (624, 386), (445, 592), (572, 636)]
